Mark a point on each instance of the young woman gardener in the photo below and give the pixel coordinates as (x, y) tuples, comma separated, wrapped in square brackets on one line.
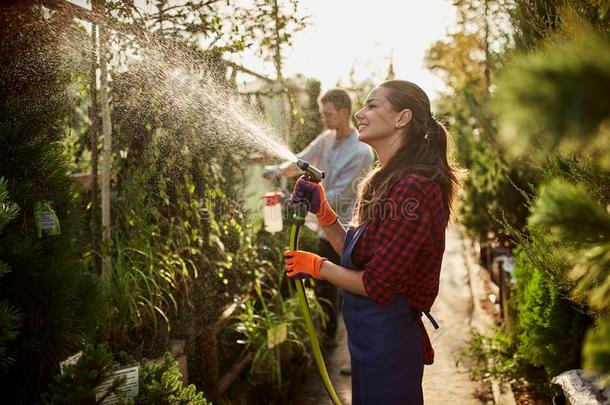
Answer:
[(391, 257)]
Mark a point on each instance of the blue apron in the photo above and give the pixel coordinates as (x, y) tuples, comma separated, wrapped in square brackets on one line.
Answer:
[(385, 344)]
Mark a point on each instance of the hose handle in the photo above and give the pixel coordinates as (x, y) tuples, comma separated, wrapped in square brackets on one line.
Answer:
[(312, 173)]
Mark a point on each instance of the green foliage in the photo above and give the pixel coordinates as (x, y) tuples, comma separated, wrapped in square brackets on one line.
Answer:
[(77, 383), (494, 357), (591, 273), (582, 171), (596, 349), (276, 304), (574, 216), (495, 193), (182, 248), (512, 132), (271, 24), (59, 301), (138, 282), (570, 213), (8, 210), (10, 317), (558, 99), (10, 324), (537, 22), (306, 124), (159, 383), (550, 326), (493, 188), (183, 251)]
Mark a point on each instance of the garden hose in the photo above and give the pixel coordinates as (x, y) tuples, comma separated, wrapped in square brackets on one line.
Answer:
[(311, 174)]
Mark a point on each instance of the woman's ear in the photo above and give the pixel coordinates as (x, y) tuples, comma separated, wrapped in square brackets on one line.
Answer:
[(404, 117)]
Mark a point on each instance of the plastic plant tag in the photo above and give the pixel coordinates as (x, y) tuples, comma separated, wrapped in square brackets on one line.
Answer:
[(128, 389), (277, 335), (46, 219), (69, 361)]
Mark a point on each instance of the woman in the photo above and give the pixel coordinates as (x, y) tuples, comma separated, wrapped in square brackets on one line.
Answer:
[(391, 257)]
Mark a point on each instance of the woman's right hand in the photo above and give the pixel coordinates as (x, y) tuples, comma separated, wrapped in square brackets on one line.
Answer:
[(315, 196)]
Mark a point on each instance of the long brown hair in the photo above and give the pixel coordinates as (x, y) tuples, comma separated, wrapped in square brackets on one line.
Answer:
[(423, 151)]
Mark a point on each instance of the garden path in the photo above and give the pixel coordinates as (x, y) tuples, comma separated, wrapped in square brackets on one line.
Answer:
[(447, 380)]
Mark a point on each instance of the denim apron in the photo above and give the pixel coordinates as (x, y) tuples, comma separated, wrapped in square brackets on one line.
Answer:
[(385, 344)]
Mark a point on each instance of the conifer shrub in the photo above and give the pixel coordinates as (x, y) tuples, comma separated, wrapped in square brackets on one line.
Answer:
[(550, 326), (10, 316), (159, 383), (59, 301)]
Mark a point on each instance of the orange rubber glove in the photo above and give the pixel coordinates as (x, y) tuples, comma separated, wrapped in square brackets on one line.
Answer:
[(301, 264), (319, 204)]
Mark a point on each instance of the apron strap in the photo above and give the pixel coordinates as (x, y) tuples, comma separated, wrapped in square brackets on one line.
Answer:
[(431, 319)]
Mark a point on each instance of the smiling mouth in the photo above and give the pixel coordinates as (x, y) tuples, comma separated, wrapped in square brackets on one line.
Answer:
[(361, 127)]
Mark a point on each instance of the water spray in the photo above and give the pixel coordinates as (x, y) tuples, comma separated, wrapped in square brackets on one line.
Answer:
[(298, 219)]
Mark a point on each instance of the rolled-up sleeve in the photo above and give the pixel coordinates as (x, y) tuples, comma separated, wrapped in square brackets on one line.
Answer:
[(403, 232), (313, 152), (341, 193)]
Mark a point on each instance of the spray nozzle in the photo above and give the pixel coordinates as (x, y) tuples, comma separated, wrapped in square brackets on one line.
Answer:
[(312, 173)]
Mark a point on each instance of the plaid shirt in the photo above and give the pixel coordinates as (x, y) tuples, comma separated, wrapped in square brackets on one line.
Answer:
[(402, 248)]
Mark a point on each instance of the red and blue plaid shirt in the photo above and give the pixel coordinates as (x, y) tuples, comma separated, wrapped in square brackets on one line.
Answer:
[(402, 248)]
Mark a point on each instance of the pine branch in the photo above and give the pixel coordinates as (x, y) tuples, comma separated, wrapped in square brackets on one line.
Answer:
[(570, 213)]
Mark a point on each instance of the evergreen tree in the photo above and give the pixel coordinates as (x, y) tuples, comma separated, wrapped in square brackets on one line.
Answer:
[(10, 317), (468, 61), (557, 93), (58, 298)]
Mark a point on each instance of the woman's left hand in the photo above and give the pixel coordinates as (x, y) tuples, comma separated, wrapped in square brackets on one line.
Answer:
[(301, 264)]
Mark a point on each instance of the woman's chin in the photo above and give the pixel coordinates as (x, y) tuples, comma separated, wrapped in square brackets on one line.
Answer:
[(363, 138)]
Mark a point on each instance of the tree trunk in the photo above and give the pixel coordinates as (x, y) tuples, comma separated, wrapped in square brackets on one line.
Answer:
[(487, 53), (106, 132), (94, 133)]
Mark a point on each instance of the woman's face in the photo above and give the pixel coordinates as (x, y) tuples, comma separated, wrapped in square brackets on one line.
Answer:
[(378, 122)]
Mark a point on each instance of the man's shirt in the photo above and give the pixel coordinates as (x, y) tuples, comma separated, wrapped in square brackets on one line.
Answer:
[(345, 162)]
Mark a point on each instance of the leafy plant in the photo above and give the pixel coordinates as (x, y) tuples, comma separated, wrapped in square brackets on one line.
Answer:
[(265, 313), (494, 356)]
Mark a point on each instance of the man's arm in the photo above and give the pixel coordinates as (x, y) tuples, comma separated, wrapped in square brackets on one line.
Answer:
[(311, 154)]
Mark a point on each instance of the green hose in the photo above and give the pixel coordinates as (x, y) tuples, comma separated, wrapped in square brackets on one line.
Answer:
[(315, 345)]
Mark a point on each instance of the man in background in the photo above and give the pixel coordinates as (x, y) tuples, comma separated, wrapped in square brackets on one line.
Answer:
[(345, 160)]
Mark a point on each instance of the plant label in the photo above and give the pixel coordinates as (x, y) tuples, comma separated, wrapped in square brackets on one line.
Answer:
[(46, 219), (70, 360), (277, 335), (129, 388)]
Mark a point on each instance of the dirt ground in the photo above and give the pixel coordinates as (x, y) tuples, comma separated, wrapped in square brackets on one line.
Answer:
[(447, 380)]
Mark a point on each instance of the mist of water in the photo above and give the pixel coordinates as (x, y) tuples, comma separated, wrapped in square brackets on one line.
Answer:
[(183, 82), (212, 107)]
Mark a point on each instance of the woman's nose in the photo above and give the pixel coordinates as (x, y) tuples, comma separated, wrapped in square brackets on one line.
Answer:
[(358, 114)]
